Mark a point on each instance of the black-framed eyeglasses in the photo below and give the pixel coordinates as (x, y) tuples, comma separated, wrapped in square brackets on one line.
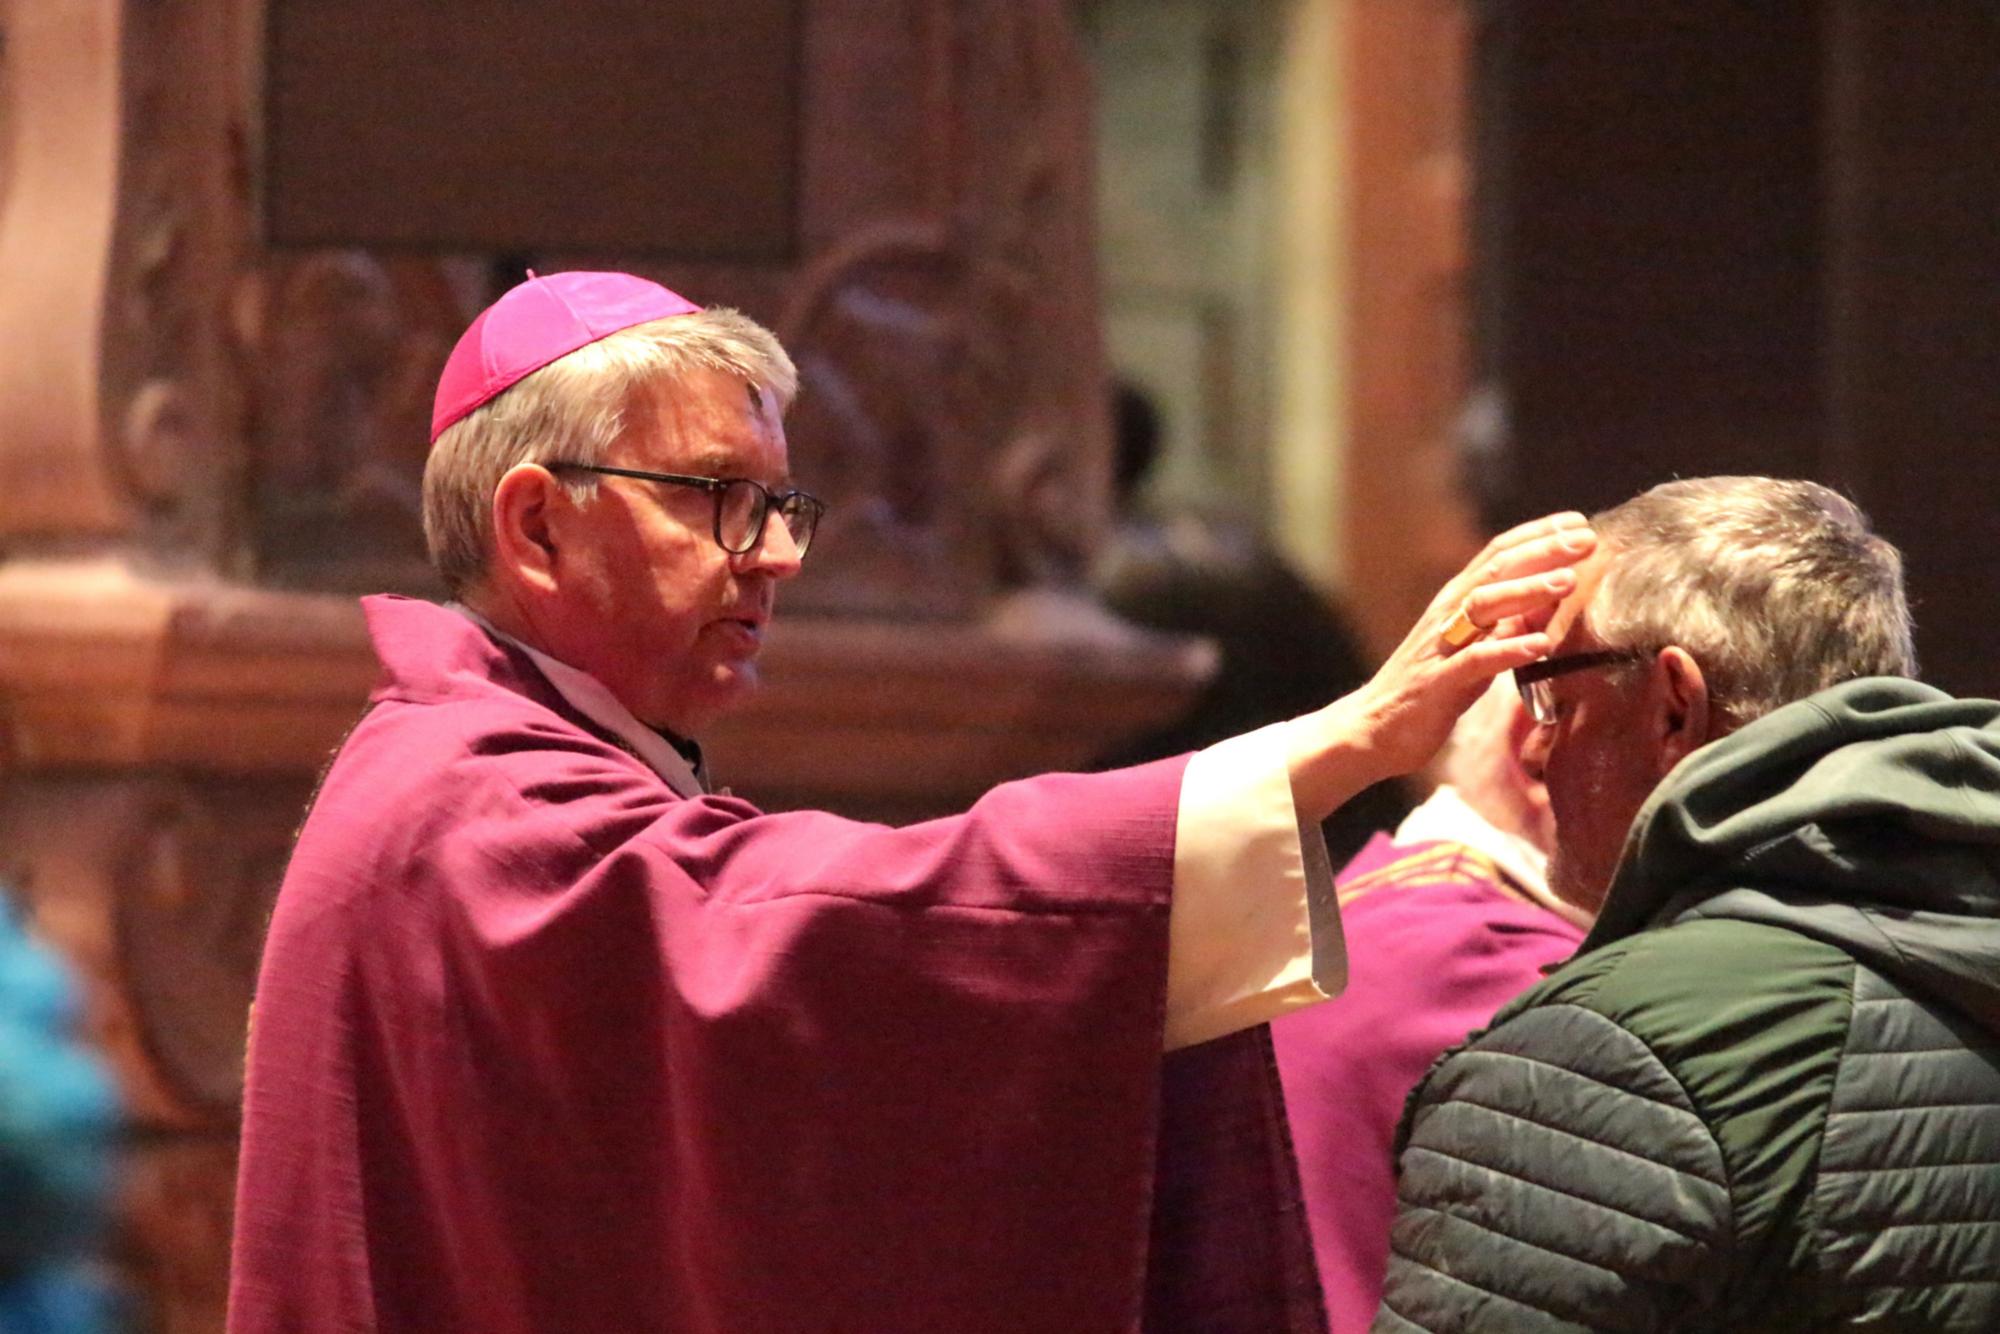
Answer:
[(742, 507), (1532, 681)]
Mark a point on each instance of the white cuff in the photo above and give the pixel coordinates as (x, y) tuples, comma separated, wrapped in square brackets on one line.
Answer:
[(1254, 929)]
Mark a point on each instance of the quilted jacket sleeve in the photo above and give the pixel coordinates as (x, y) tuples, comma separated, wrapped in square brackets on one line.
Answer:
[(1555, 1176)]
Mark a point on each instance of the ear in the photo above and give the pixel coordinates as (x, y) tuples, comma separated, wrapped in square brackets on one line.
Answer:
[(525, 526), (1682, 710)]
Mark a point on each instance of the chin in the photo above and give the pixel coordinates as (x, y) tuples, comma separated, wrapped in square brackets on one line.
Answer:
[(1575, 886), (736, 681), (687, 706), (728, 687)]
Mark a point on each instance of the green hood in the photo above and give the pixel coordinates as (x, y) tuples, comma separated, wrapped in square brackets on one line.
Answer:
[(1867, 816)]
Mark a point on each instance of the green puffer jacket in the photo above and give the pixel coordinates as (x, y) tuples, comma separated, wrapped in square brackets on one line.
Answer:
[(1766, 1093)]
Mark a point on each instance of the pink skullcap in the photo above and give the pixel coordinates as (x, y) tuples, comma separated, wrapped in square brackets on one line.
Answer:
[(532, 325)]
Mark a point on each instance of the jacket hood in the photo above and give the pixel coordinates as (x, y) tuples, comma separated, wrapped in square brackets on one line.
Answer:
[(1867, 816)]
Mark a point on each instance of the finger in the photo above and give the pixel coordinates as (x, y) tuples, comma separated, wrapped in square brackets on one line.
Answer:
[(1544, 553), (1534, 619), (1494, 604), (1545, 544), (1549, 525), (1488, 658)]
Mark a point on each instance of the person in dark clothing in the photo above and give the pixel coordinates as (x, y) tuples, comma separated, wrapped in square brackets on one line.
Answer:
[(1766, 1094), (1281, 644)]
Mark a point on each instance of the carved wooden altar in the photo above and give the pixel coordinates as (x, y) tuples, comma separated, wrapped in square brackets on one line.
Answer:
[(209, 442)]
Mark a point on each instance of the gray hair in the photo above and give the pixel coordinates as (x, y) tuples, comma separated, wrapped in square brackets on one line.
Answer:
[(576, 409), (1777, 588)]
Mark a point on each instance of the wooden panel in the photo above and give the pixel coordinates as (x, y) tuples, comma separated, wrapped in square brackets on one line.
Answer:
[(630, 126), (1732, 238), (1657, 213), (1914, 352)]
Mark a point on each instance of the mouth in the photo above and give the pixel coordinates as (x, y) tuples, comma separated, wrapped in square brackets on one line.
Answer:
[(748, 627)]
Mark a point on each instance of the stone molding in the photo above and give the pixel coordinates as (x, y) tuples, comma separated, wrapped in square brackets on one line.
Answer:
[(105, 667)]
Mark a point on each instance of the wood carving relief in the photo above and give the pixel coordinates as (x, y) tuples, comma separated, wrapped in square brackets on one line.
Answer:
[(350, 346), (942, 314), (916, 353), (160, 883), (195, 872), (959, 343), (117, 229), (172, 441), (891, 384)]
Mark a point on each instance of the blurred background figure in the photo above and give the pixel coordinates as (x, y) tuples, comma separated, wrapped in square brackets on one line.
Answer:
[(57, 1111), (1446, 920), (1283, 648)]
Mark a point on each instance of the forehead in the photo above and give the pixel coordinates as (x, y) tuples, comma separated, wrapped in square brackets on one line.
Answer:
[(709, 421), (1567, 628)]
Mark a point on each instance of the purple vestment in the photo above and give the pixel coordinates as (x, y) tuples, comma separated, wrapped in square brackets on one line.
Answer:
[(1435, 945), (541, 1046)]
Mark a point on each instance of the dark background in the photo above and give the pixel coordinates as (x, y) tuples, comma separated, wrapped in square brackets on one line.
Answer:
[(1733, 237)]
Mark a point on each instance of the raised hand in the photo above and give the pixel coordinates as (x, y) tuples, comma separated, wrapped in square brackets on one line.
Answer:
[(1487, 619)]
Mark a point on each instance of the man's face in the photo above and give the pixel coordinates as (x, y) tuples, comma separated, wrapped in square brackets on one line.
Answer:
[(1599, 758), (672, 623)]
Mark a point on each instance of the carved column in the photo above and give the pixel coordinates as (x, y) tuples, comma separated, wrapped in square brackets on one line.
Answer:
[(1409, 526)]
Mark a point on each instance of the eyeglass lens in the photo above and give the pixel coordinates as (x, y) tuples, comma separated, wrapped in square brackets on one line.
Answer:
[(743, 508)]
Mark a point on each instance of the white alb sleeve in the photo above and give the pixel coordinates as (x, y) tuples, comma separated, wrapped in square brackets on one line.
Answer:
[(1254, 929)]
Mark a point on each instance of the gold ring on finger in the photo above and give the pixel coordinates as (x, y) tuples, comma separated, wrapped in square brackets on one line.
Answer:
[(1462, 629)]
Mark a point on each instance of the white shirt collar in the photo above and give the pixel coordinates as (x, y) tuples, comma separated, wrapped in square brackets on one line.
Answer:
[(591, 698), (1445, 817)]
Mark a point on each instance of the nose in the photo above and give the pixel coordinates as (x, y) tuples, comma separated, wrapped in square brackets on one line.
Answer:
[(776, 553)]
